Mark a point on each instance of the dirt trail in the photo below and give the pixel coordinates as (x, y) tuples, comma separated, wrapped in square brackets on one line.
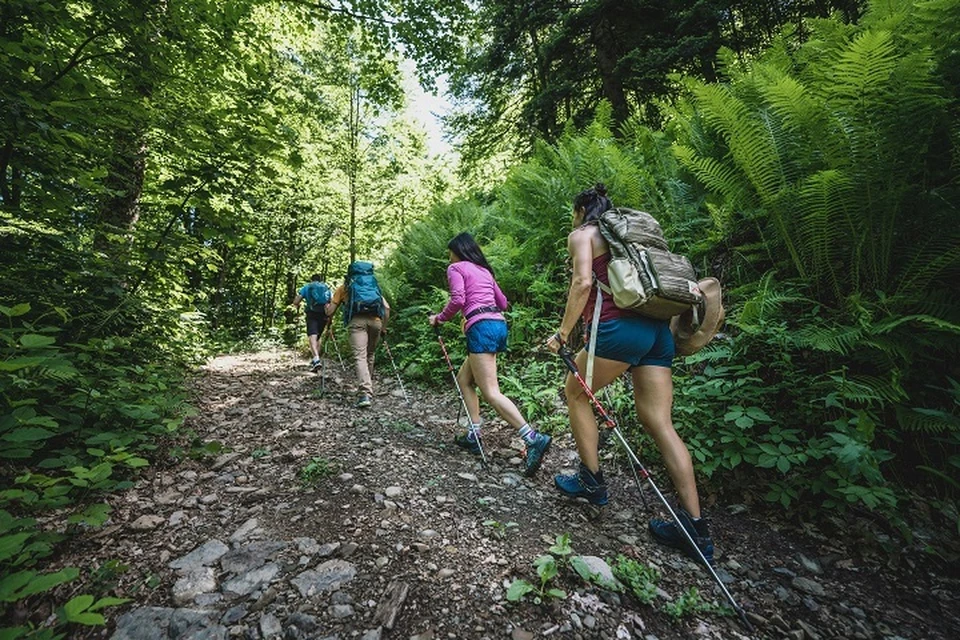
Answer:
[(319, 520)]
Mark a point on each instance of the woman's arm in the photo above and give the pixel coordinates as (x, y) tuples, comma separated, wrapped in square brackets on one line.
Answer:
[(580, 247), (457, 295)]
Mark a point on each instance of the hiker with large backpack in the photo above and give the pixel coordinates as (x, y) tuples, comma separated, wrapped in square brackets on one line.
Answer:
[(365, 314), (316, 294), (474, 293), (636, 339)]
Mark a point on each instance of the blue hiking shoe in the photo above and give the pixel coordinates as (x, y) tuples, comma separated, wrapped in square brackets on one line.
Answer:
[(535, 453), (667, 533), (583, 484), (467, 443), (363, 402), (314, 364)]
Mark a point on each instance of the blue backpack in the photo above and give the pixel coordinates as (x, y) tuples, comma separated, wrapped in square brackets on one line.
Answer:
[(316, 295), (363, 291)]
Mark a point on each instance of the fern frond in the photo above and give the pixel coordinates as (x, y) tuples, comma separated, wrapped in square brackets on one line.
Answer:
[(839, 340), (929, 421)]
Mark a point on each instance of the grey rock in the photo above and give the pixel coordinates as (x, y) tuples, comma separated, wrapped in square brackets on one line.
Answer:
[(193, 583), (302, 622), (787, 596), (724, 575), (810, 565), (599, 572), (204, 555), (308, 546), (348, 549), (808, 586), (785, 572), (521, 634), (176, 518), (373, 634), (811, 604), (393, 492), (808, 631), (467, 476), (270, 626), (250, 556), (589, 622), (341, 597), (577, 622), (328, 576), (161, 623), (147, 523), (207, 600), (341, 611), (250, 581), (245, 530), (327, 550), (233, 615)]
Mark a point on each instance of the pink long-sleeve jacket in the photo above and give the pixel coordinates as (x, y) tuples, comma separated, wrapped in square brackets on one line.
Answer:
[(472, 287)]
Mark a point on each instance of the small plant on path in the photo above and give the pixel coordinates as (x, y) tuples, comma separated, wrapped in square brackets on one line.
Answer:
[(547, 570), (500, 529), (641, 579), (316, 469)]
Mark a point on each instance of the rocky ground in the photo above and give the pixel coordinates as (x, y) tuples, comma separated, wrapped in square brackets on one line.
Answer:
[(318, 520)]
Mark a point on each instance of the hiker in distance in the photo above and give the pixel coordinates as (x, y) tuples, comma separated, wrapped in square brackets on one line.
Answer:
[(625, 341), (316, 294), (474, 293), (365, 314)]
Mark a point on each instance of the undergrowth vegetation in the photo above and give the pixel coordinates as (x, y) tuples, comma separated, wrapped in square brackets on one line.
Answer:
[(817, 182)]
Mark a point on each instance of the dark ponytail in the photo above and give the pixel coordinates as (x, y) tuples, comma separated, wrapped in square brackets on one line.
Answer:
[(466, 248), (594, 201)]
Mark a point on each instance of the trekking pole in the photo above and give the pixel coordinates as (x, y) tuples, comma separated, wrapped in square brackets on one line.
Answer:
[(323, 367), (335, 345), (463, 402), (567, 357), (602, 442), (396, 371)]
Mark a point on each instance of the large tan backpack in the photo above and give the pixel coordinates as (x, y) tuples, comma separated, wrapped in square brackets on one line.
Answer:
[(644, 275)]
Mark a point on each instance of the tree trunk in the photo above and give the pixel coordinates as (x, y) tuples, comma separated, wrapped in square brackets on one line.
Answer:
[(604, 41)]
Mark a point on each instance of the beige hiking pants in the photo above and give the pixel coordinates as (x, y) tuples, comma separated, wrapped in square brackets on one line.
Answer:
[(364, 332)]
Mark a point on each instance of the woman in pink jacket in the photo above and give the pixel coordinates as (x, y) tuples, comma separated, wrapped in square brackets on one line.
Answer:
[(475, 293)]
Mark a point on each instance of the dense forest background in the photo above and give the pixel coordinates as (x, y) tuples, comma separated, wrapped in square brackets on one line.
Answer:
[(169, 174)]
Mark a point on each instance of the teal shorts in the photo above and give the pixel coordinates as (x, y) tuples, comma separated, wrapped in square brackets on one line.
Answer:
[(636, 340), (487, 336)]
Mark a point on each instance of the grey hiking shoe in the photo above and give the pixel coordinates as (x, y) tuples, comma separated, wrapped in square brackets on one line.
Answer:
[(363, 402), (535, 453), (314, 364)]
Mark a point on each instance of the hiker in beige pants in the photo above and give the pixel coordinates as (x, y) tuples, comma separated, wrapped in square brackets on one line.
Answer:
[(364, 331)]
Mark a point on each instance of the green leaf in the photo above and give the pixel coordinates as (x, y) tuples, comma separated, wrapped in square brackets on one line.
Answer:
[(556, 593), (13, 633), (34, 340), (77, 605), (11, 545), (783, 464), (16, 310), (11, 584), (518, 589), (88, 619), (28, 434), (49, 581)]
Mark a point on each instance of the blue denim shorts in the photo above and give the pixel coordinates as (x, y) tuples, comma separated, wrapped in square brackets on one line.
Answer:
[(487, 336), (636, 340)]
